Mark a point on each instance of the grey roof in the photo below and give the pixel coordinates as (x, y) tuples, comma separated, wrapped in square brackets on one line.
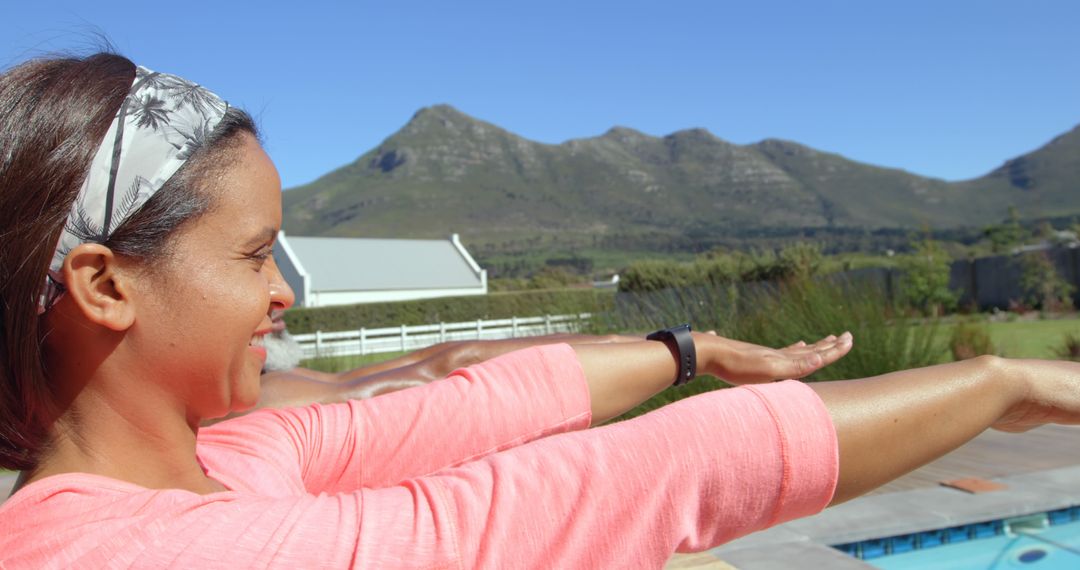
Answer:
[(355, 264)]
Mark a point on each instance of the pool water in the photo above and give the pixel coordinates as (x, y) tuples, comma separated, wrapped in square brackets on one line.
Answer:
[(1046, 541)]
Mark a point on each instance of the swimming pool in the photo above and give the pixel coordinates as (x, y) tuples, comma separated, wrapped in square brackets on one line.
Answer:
[(1044, 541)]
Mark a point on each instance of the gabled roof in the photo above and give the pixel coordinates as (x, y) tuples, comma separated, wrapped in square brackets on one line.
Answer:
[(362, 264)]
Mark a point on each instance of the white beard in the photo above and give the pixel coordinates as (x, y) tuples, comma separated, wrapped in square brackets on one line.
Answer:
[(282, 352)]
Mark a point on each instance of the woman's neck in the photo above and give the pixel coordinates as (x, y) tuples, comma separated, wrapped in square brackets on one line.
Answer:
[(143, 441)]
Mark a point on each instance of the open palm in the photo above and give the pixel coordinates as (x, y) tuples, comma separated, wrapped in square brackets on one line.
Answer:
[(746, 363)]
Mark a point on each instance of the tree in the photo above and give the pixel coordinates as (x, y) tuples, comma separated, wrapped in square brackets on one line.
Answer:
[(1043, 286), (1007, 235), (924, 284)]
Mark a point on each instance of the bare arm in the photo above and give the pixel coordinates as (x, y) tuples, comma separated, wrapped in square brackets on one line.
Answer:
[(920, 415), (623, 375), (741, 362), (442, 359), (887, 425), (301, 386)]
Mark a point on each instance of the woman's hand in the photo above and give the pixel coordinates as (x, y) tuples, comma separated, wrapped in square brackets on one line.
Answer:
[(740, 362), (1048, 392), (622, 375)]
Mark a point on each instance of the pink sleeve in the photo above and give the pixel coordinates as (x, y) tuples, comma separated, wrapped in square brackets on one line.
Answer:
[(495, 405), (688, 477)]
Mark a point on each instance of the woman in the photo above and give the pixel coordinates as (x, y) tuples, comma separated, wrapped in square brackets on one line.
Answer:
[(127, 195)]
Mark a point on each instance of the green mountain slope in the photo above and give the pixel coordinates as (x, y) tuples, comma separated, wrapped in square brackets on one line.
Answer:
[(1045, 182), (447, 172)]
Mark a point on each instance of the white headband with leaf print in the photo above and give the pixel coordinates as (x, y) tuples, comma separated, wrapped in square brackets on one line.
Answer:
[(163, 120)]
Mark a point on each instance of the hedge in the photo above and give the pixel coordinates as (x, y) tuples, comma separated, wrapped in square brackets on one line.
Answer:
[(449, 310)]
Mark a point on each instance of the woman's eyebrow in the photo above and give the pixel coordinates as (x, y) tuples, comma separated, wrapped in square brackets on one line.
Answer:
[(265, 236)]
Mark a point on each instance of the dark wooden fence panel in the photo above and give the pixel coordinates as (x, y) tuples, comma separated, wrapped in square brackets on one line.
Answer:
[(987, 282), (991, 282)]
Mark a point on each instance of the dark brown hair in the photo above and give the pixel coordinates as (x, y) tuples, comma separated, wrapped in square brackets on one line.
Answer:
[(53, 115)]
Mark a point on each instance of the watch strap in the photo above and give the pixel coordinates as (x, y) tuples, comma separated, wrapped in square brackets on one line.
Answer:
[(681, 342)]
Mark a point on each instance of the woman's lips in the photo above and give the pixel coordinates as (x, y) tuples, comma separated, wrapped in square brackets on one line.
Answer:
[(259, 350), (257, 346)]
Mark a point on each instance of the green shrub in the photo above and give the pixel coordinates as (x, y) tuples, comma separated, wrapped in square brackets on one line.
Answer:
[(808, 309), (796, 261), (1006, 235), (1043, 286), (970, 339), (716, 269), (781, 314), (1070, 347), (449, 310), (553, 277), (705, 307), (659, 274), (924, 283)]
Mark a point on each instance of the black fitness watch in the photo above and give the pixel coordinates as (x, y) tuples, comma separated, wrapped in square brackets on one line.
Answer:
[(682, 343)]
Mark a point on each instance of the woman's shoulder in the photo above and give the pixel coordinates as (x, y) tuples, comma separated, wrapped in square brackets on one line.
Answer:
[(80, 519), (70, 505)]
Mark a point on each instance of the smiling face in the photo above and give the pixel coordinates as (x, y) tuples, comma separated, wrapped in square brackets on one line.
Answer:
[(204, 310)]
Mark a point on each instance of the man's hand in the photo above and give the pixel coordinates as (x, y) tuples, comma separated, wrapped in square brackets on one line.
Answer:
[(740, 362)]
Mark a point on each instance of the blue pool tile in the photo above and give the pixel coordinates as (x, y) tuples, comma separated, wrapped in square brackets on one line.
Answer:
[(1060, 517), (873, 548), (957, 534), (931, 538), (900, 544), (985, 530)]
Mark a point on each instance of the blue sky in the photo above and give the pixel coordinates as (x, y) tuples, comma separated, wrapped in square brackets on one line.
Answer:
[(944, 89)]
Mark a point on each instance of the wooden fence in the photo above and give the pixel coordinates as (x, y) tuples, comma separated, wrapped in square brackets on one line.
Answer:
[(407, 338), (987, 282)]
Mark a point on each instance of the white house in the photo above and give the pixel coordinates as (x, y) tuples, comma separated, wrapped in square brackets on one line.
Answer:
[(343, 271)]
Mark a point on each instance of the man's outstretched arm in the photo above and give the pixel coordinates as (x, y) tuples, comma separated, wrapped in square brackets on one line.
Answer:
[(301, 386), (743, 362)]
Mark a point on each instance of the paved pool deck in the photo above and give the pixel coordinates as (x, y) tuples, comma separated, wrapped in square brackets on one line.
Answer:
[(1040, 470)]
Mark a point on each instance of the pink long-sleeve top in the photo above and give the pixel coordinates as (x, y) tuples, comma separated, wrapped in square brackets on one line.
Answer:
[(490, 468)]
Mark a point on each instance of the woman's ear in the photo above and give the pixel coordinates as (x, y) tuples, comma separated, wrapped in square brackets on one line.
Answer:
[(99, 286)]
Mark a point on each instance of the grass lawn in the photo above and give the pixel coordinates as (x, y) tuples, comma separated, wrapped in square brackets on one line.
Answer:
[(1034, 338)]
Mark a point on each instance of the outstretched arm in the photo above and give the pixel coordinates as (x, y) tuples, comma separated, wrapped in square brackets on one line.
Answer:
[(895, 423), (891, 424), (302, 386), (740, 362), (438, 361)]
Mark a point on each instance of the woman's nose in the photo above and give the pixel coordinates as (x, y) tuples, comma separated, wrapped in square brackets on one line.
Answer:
[(281, 295)]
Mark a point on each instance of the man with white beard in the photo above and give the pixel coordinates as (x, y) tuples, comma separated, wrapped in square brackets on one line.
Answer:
[(285, 383)]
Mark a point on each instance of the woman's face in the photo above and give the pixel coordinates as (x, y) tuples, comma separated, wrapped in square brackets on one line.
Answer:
[(206, 308)]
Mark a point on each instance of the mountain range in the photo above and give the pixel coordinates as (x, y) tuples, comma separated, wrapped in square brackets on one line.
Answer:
[(446, 172)]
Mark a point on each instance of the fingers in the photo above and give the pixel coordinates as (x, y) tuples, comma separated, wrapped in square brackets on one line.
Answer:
[(805, 360), (836, 349), (749, 363)]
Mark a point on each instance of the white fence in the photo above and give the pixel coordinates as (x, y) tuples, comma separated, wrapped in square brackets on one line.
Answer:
[(407, 338)]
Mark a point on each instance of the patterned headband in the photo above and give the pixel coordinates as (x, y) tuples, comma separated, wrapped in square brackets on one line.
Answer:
[(163, 120)]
